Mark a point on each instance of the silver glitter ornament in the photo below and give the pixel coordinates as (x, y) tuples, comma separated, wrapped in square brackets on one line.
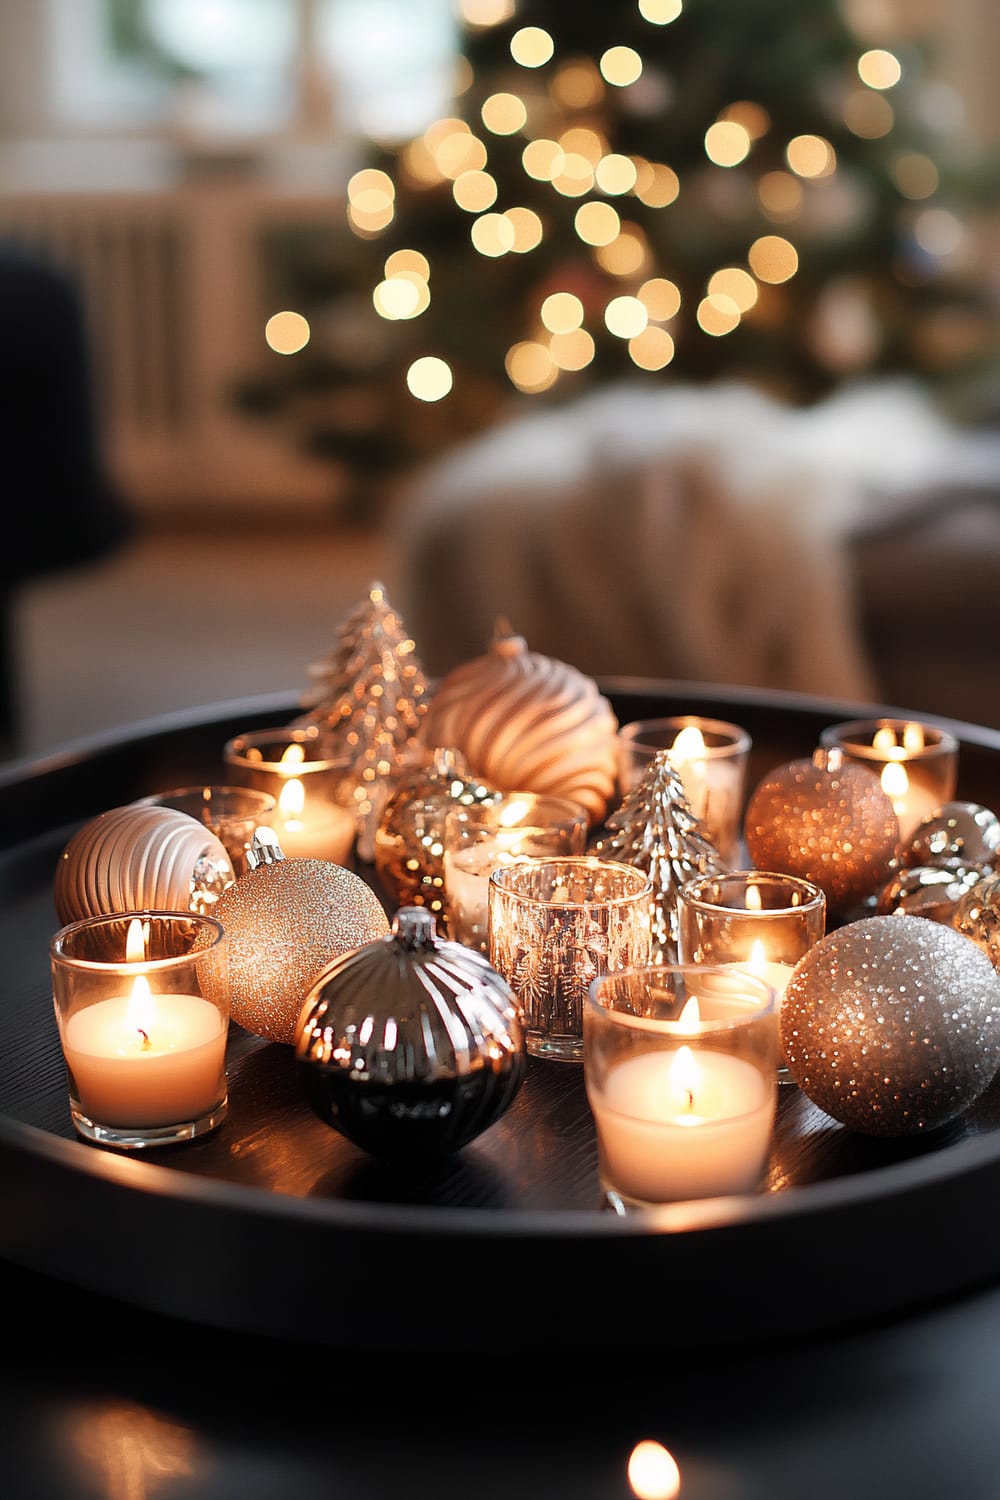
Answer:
[(891, 1024), (962, 835), (285, 920), (411, 1045), (925, 891), (977, 916), (825, 819)]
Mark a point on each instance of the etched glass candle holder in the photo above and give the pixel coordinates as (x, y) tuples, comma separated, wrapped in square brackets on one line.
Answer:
[(314, 817), (143, 1034), (554, 925), (233, 813), (679, 1063), (916, 763), (481, 837), (711, 758), (760, 919)]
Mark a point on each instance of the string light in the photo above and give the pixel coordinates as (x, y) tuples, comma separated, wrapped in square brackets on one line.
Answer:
[(620, 66), (429, 378), (532, 47), (286, 332)]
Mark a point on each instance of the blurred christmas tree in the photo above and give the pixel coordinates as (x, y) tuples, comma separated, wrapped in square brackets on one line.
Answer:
[(691, 192)]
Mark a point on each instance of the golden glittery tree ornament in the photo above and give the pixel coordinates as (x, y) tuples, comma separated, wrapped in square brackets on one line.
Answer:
[(368, 699), (655, 830)]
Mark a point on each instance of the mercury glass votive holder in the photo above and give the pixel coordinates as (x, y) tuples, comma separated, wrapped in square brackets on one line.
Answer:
[(481, 837), (762, 920), (711, 757), (233, 813), (679, 1066), (916, 763), (143, 1033), (553, 926), (314, 815)]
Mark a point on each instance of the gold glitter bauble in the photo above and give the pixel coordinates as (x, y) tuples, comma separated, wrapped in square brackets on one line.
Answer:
[(977, 916), (409, 854), (825, 819), (892, 1024), (286, 921)]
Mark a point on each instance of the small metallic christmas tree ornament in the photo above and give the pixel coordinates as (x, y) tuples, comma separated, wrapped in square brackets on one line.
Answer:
[(655, 830), (411, 1045), (368, 703)]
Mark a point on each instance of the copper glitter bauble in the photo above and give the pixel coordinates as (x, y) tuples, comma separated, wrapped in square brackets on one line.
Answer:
[(959, 835), (411, 1045), (977, 916), (925, 891), (409, 854), (825, 819), (138, 858), (892, 1024), (286, 919)]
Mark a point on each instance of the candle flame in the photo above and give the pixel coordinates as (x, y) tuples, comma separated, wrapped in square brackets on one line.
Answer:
[(895, 782), (758, 958), (913, 737), (884, 740), (514, 813), (292, 799), (684, 1076), (690, 1017), (652, 1472), (141, 1009), (753, 898), (294, 755), (689, 744), (135, 942)]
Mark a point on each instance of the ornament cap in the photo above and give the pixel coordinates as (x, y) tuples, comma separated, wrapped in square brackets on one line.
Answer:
[(414, 927), (829, 758), (264, 849)]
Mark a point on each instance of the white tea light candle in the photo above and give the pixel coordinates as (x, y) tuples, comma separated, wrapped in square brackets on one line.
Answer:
[(917, 764)]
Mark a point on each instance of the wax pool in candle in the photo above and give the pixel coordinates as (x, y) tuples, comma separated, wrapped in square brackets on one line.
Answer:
[(142, 1061), (312, 829), (683, 1123)]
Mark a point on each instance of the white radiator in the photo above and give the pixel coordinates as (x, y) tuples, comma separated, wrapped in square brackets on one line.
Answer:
[(176, 310)]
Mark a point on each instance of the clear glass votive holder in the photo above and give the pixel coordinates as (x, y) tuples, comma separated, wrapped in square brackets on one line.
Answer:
[(679, 1064), (553, 926), (760, 919), (233, 813), (314, 817), (916, 763), (711, 757), (478, 839), (143, 1035)]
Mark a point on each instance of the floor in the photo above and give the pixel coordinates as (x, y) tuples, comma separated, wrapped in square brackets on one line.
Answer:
[(179, 619)]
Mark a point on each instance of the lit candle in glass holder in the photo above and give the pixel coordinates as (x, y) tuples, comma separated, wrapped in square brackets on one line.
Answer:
[(312, 819), (710, 757), (679, 1065), (144, 1045), (916, 763), (761, 920)]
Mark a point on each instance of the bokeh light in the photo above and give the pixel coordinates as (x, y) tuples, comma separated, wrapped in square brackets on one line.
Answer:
[(504, 114), (530, 367), (429, 378), (879, 69), (597, 223), (772, 258), (532, 47), (286, 332), (660, 12), (727, 143), (620, 66), (652, 349), (626, 317), (561, 312), (652, 1472)]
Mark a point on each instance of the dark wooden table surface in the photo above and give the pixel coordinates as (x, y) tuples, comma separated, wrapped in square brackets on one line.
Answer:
[(271, 1311)]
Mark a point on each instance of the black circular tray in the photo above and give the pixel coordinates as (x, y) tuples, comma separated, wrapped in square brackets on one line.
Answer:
[(277, 1226)]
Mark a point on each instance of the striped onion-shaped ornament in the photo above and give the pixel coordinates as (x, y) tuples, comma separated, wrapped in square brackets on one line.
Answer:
[(137, 858), (412, 1045)]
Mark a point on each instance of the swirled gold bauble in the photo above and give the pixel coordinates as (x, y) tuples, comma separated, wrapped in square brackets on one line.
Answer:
[(892, 1024), (285, 921), (825, 819), (527, 722), (137, 858)]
